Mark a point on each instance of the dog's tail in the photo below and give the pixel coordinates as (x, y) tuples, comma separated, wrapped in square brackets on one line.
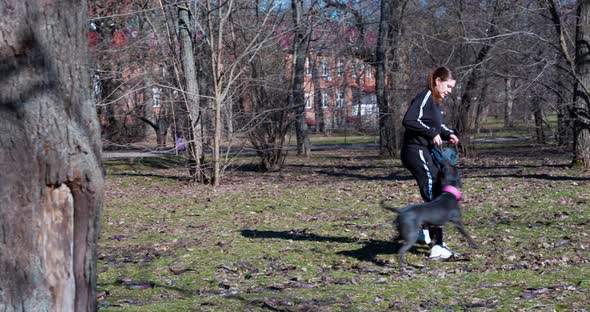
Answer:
[(389, 207)]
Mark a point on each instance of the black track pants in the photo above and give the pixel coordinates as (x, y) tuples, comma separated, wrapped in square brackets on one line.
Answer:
[(420, 163)]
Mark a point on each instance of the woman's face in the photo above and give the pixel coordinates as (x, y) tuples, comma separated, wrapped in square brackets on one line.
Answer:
[(444, 88)]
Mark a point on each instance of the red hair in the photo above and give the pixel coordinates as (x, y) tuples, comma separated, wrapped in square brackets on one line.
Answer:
[(442, 72)]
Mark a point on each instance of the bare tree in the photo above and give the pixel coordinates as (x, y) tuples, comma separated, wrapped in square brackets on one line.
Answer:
[(581, 107), (386, 125), (392, 73), (300, 48), (578, 68), (191, 93), (268, 119), (229, 54), (319, 116), (266, 111), (52, 180)]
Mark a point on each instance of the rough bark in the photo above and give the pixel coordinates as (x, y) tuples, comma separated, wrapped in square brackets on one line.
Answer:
[(399, 74), (51, 177), (581, 96), (386, 122), (192, 93), (297, 97), (579, 69)]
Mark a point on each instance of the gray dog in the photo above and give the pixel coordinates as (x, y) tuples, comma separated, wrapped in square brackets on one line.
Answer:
[(445, 208)]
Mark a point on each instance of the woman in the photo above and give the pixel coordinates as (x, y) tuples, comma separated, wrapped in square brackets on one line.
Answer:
[(424, 129)]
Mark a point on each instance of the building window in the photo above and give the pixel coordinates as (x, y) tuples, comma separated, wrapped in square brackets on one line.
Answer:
[(339, 99), (96, 85), (324, 69), (324, 100), (369, 73), (354, 75), (361, 69), (340, 69), (307, 67), (307, 100), (156, 96)]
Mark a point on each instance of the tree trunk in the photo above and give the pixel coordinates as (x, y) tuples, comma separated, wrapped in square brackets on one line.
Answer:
[(162, 132), (538, 115), (192, 93), (297, 97), (581, 96), (386, 122), (508, 103), (392, 74), (464, 113), (401, 78), (228, 117), (51, 177), (320, 121), (564, 127), (356, 101), (481, 108)]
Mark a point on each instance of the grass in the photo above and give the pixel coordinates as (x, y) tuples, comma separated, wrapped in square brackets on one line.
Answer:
[(493, 127), (314, 238)]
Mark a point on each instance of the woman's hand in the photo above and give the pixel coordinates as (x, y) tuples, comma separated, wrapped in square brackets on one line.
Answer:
[(453, 139), (437, 140)]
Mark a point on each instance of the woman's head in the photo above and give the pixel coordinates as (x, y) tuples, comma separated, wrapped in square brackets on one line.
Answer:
[(441, 82)]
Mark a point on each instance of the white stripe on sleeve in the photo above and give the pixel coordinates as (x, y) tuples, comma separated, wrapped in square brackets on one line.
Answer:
[(447, 129), (421, 111)]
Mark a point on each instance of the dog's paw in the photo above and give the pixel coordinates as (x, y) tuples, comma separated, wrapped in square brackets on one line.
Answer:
[(474, 246)]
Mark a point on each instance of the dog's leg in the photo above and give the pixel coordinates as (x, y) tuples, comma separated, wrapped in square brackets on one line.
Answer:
[(410, 238), (461, 229), (401, 253)]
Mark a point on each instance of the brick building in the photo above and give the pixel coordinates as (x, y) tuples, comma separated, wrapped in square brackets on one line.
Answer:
[(347, 91)]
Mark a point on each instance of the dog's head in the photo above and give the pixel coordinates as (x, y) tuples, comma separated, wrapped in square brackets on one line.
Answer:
[(450, 175)]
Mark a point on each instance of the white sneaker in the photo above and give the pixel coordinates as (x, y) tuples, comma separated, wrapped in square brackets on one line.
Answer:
[(441, 251), (424, 237)]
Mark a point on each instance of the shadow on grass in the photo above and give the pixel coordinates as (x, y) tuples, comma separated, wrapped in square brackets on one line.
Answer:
[(391, 177), (368, 252), (514, 167), (345, 171), (151, 175), (141, 286), (251, 167), (534, 176), (160, 162), (342, 166)]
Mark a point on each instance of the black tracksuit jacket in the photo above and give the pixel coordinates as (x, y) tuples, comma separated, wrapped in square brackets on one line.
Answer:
[(423, 121)]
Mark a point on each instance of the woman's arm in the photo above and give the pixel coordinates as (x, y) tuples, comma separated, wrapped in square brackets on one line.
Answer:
[(413, 120)]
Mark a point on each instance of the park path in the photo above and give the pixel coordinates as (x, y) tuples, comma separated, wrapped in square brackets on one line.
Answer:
[(319, 147), (137, 154)]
